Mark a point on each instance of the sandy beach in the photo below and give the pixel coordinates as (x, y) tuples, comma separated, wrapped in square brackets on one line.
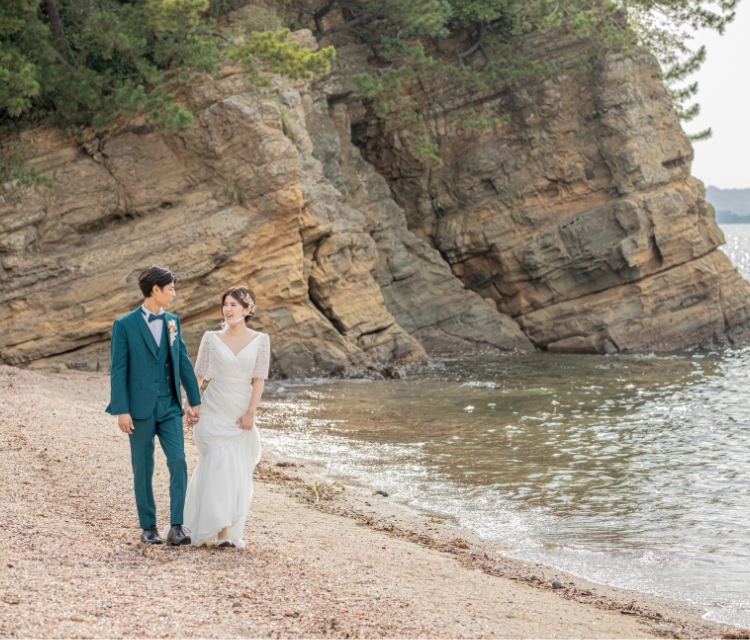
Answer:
[(321, 560)]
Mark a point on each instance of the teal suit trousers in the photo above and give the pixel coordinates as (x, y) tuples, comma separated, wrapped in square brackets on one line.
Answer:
[(166, 424)]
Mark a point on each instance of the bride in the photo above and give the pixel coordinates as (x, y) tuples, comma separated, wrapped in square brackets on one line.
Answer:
[(236, 361)]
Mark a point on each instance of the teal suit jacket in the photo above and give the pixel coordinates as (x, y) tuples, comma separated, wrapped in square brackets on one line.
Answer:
[(134, 373)]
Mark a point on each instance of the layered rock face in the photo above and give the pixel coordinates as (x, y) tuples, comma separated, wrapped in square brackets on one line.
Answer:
[(267, 191), (573, 225), (576, 214)]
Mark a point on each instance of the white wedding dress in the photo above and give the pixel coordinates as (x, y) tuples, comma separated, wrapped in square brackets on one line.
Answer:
[(221, 487)]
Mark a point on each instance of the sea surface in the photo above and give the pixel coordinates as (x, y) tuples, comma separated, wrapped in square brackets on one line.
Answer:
[(629, 470)]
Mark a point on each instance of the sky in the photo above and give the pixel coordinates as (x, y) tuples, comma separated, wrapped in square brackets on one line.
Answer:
[(724, 96)]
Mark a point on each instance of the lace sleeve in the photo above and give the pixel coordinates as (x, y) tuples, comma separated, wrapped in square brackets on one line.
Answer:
[(204, 367), (263, 360)]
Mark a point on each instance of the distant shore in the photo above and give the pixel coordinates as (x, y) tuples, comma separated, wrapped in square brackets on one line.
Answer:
[(320, 561), (727, 217)]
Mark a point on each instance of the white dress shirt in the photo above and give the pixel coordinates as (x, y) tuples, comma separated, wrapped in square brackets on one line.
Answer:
[(156, 327)]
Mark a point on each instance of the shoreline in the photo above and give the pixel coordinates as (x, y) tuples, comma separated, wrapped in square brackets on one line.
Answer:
[(676, 617), (319, 562)]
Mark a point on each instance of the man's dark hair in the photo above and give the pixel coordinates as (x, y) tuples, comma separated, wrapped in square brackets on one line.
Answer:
[(154, 276)]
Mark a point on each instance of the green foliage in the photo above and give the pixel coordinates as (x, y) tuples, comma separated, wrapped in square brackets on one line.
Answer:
[(417, 138), (79, 63), (13, 169), (492, 59), (286, 123), (404, 119), (666, 27), (82, 62), (233, 192), (498, 55), (271, 52), (265, 19), (469, 118)]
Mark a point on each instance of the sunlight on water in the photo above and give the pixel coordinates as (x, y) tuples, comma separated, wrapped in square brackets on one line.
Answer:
[(629, 469), (738, 246)]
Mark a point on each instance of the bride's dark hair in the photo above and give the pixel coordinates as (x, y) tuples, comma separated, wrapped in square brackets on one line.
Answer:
[(242, 295)]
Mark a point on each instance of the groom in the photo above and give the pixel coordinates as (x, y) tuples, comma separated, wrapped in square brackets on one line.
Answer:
[(149, 360)]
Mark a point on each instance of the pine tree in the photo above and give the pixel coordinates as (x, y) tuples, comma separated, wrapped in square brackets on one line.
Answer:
[(80, 62), (495, 53)]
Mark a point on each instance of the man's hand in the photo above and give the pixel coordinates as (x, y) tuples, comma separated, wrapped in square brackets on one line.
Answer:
[(125, 422)]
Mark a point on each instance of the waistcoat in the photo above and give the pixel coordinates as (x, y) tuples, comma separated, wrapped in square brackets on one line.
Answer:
[(164, 359)]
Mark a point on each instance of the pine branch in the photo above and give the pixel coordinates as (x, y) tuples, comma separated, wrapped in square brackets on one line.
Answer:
[(703, 135), (478, 45), (322, 13), (356, 21), (61, 59)]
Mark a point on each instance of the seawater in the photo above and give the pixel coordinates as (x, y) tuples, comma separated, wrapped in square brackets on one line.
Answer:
[(630, 470)]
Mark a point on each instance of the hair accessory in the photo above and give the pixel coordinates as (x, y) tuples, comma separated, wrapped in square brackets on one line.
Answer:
[(248, 301)]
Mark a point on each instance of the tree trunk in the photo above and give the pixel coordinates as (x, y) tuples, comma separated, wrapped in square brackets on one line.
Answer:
[(58, 31), (354, 22)]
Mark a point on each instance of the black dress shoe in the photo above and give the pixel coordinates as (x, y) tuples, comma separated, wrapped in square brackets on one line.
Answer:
[(178, 535), (151, 536)]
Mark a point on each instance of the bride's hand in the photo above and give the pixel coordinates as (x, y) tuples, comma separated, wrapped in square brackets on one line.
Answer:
[(246, 421)]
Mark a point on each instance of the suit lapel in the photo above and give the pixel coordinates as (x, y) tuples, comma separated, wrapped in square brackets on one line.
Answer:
[(148, 338), (173, 350)]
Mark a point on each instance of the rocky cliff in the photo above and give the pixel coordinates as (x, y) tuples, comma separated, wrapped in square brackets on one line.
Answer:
[(266, 190), (573, 226), (577, 214)]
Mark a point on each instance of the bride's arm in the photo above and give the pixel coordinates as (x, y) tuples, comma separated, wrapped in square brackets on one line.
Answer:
[(260, 373), (248, 418)]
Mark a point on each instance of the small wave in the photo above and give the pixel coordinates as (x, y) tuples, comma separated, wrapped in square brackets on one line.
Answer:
[(481, 385)]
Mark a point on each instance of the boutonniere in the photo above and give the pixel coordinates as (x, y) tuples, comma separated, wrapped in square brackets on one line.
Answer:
[(172, 328)]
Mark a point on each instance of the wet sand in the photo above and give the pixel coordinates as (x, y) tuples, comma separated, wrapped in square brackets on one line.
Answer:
[(319, 561)]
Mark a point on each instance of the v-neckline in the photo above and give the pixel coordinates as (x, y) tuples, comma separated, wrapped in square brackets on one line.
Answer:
[(236, 355)]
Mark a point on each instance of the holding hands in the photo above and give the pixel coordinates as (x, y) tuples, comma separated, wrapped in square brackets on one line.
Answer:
[(192, 413)]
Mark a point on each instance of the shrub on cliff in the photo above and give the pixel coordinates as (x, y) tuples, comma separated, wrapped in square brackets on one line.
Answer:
[(270, 51), (81, 62), (495, 53)]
